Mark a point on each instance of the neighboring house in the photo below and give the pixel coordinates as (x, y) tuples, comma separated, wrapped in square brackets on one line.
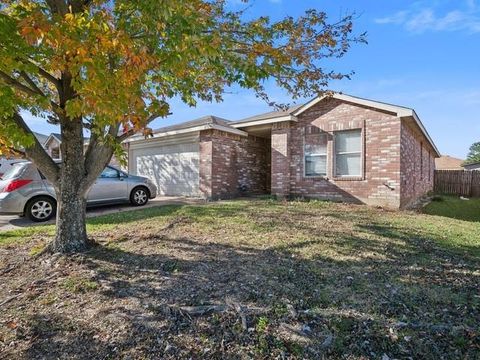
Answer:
[(52, 145), (473, 166), (53, 142), (446, 162), (338, 148)]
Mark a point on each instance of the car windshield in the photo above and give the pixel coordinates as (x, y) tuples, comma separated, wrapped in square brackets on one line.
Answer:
[(14, 172)]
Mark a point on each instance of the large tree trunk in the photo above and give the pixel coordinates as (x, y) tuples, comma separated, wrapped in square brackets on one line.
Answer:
[(71, 235)]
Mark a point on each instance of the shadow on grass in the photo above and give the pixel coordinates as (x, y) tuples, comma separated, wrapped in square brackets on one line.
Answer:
[(367, 305), (194, 211)]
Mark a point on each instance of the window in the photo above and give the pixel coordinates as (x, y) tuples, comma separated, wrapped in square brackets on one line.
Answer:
[(348, 153), (316, 154), (109, 173)]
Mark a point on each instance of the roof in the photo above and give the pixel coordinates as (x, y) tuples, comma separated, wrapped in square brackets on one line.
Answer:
[(204, 123), (40, 137), (269, 115), (475, 165), (205, 120), (290, 114), (58, 137), (446, 162)]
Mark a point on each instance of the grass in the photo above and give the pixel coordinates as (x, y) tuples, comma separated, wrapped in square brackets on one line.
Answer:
[(248, 279), (454, 207)]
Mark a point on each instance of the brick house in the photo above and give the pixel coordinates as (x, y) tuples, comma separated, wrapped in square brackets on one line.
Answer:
[(338, 147)]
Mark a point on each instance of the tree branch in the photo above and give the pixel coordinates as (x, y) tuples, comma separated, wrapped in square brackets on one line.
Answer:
[(132, 132), (32, 84), (29, 91), (46, 74), (14, 82), (37, 153)]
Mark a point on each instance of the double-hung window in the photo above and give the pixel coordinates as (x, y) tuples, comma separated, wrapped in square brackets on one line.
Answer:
[(316, 154), (348, 153)]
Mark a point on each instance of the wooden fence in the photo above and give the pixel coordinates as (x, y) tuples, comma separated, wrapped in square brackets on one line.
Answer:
[(457, 182)]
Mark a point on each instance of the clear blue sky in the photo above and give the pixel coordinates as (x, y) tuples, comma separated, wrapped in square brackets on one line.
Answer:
[(421, 54)]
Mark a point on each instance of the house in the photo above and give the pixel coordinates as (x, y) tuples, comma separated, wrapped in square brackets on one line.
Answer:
[(472, 166), (53, 142), (446, 162), (335, 147)]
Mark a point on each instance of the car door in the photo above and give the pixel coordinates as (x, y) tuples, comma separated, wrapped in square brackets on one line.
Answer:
[(110, 186)]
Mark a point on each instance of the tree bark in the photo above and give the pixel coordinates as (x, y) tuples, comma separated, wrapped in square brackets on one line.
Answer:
[(71, 235)]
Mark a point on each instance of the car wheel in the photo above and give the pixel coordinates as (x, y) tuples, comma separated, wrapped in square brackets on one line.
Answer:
[(41, 209), (139, 196)]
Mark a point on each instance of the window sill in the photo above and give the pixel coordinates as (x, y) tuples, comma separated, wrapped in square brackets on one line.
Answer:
[(348, 178), (315, 177)]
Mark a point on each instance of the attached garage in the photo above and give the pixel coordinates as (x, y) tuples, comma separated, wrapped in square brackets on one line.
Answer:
[(179, 159), (172, 163)]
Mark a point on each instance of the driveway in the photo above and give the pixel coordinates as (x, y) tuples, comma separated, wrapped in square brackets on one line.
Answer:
[(8, 222)]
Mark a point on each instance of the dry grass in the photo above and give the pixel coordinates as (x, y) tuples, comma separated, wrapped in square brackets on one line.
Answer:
[(247, 279)]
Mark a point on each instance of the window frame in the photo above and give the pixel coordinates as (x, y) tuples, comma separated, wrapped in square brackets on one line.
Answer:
[(325, 134), (360, 176)]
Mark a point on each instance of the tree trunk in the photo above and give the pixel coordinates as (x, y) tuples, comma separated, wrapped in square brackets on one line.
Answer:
[(71, 235)]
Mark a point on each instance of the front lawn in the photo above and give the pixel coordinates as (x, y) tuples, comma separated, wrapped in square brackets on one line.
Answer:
[(454, 207), (247, 279)]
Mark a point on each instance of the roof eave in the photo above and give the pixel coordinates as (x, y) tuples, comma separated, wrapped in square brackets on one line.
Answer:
[(412, 114), (265, 121), (198, 128)]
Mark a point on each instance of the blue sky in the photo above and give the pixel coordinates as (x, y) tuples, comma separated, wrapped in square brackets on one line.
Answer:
[(421, 54)]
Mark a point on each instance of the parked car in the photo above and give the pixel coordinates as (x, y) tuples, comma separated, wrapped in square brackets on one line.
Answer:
[(6, 164), (26, 192)]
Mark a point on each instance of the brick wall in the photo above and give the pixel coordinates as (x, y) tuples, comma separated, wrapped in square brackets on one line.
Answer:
[(280, 170), (380, 182), (233, 165), (417, 164)]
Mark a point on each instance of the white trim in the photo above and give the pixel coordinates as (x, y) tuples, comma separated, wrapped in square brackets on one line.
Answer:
[(136, 138), (305, 156), (370, 103), (424, 131), (51, 136), (163, 141), (360, 176), (398, 110), (264, 121)]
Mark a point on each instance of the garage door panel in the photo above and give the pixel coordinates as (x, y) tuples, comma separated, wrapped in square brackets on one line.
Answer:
[(173, 168)]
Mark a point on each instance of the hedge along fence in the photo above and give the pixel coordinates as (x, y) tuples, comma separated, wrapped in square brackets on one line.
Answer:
[(457, 182)]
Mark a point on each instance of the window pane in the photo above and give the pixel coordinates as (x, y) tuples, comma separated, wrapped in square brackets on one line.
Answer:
[(315, 165), (348, 141), (348, 165), (109, 173), (316, 144)]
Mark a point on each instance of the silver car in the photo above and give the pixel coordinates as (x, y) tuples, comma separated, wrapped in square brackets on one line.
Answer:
[(25, 191)]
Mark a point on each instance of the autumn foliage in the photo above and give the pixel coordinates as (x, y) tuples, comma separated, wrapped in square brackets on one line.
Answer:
[(108, 68)]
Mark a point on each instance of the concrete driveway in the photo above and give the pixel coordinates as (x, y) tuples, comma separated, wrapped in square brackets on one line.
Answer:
[(8, 222)]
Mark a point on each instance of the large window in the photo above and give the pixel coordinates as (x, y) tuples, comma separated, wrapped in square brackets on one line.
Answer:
[(316, 154), (348, 153)]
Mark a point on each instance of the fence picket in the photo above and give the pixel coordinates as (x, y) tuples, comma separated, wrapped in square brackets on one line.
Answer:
[(457, 182)]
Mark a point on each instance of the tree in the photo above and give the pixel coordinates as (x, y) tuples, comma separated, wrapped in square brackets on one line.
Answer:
[(108, 68), (473, 154)]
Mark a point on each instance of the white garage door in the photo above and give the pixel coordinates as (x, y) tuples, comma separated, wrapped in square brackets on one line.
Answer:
[(173, 167)]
